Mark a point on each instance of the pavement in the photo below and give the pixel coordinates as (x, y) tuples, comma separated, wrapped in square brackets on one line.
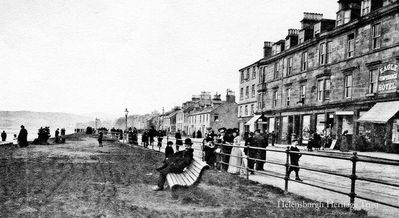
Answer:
[(387, 173)]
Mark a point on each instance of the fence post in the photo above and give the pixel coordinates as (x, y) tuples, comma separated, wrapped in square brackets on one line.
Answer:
[(247, 163), (353, 178), (287, 165)]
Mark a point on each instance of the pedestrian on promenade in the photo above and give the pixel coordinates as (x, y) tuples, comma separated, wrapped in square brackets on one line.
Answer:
[(169, 150), (23, 137), (57, 135), (160, 138), (3, 136), (209, 148), (344, 147), (273, 135), (15, 140), (226, 148), (250, 152), (144, 138), (218, 148), (259, 141), (199, 134), (100, 139), (63, 135), (179, 141), (294, 160), (151, 134), (235, 161), (175, 164)]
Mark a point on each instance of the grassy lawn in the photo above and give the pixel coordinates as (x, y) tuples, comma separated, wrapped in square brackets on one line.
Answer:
[(79, 179)]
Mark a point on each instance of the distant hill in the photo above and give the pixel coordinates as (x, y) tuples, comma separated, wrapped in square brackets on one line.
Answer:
[(10, 121)]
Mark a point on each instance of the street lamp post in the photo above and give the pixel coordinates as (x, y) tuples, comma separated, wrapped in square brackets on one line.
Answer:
[(126, 113)]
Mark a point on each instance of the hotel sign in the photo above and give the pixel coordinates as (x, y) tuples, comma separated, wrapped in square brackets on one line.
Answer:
[(388, 79)]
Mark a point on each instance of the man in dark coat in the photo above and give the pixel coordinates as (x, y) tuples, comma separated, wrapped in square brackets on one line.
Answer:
[(169, 150), (209, 148), (294, 159), (226, 148), (179, 141), (260, 142), (250, 151), (57, 135), (100, 139), (23, 137), (175, 164), (3, 136)]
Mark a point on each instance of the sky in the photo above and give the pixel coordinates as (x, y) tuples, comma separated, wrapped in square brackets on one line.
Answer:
[(84, 56)]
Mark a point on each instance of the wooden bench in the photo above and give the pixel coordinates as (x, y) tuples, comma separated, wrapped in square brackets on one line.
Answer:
[(189, 177)]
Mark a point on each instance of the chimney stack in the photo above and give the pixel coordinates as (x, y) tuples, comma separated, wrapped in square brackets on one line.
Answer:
[(267, 49)]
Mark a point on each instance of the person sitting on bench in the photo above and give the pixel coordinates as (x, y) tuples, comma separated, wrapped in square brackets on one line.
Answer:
[(175, 164)]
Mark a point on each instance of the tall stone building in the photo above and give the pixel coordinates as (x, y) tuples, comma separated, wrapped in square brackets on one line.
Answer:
[(336, 76)]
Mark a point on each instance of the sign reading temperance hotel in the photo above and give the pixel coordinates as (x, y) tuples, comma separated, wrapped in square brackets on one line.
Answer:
[(388, 79)]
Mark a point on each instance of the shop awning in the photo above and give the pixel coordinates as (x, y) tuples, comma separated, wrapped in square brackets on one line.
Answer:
[(380, 112), (253, 120)]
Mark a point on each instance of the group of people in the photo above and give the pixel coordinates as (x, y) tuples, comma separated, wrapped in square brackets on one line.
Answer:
[(149, 135), (21, 140)]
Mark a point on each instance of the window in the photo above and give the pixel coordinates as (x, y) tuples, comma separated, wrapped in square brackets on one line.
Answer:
[(304, 61), (247, 92), (327, 88), (348, 86), (376, 36), (289, 66), (323, 89), (241, 93), (240, 114), (242, 76), (365, 7), (253, 91), (373, 78), (288, 96), (276, 70), (302, 94), (347, 16), (322, 53), (275, 98), (328, 52), (247, 75), (320, 90), (301, 36), (253, 73), (351, 45), (216, 118), (261, 74), (252, 109), (339, 19), (246, 110), (259, 100)]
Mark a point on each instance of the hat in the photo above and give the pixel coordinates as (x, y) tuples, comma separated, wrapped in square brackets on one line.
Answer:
[(209, 128), (222, 130), (188, 141)]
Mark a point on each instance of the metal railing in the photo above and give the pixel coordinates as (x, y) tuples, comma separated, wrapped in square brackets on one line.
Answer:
[(354, 159)]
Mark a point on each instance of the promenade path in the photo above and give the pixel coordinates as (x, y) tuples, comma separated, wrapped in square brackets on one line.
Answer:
[(375, 191), (81, 179)]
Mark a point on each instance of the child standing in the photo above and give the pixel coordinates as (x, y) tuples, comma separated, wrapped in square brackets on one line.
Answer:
[(169, 150)]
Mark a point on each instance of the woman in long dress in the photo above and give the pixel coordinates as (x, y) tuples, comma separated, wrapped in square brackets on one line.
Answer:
[(235, 161)]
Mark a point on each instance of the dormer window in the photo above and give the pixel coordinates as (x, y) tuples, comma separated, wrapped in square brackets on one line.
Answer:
[(366, 6), (317, 29)]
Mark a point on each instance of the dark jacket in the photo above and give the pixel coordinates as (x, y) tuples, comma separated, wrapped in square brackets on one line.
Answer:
[(294, 157), (260, 142), (23, 138), (169, 151), (178, 161)]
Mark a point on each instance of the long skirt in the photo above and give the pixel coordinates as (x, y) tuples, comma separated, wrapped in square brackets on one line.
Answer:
[(235, 161)]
